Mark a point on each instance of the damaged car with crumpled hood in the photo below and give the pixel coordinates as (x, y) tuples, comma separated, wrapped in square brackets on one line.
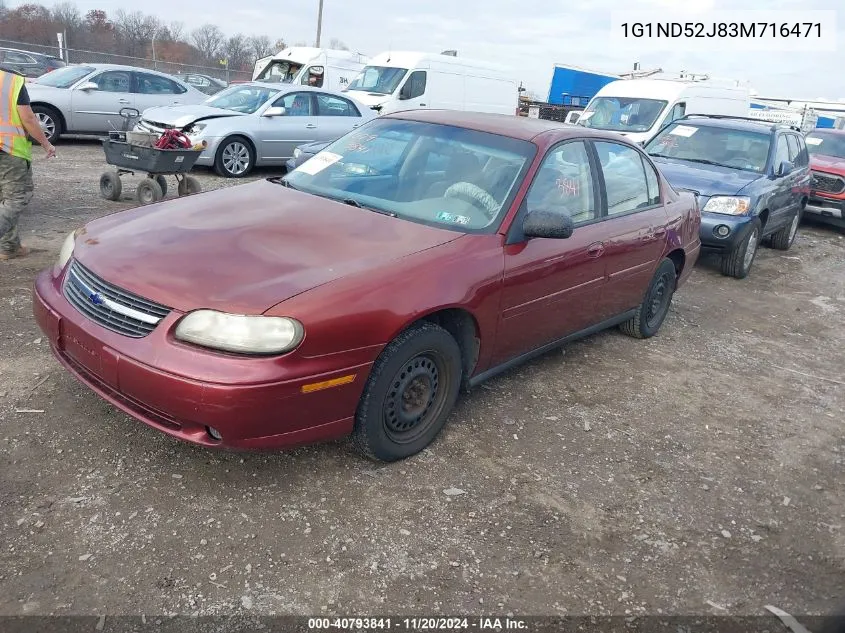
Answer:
[(258, 124)]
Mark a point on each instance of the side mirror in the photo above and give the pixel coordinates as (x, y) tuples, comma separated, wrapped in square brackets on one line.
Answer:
[(573, 117), (89, 85), (274, 111), (784, 169), (556, 226)]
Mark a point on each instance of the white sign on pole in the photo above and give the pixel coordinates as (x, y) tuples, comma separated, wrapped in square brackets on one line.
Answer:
[(60, 37)]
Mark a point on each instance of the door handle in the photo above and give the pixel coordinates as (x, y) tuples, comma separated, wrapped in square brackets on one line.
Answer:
[(595, 250), (123, 100), (310, 126), (660, 231), (422, 105), (356, 125)]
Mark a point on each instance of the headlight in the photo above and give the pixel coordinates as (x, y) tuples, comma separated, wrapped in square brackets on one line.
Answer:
[(728, 205), (66, 251), (240, 333), (297, 153)]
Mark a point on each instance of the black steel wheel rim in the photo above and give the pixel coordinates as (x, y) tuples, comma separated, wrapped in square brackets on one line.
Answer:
[(415, 397), (658, 304)]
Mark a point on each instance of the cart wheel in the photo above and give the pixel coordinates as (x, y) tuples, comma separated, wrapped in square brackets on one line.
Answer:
[(110, 185), (189, 186), (162, 182), (149, 191)]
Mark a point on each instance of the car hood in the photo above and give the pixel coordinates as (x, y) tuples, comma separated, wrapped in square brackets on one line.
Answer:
[(181, 116), (367, 98), (830, 164), (708, 180), (244, 249)]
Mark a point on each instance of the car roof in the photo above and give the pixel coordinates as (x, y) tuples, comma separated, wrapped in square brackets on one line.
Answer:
[(523, 128), (286, 87), (33, 53), (734, 123), (121, 67)]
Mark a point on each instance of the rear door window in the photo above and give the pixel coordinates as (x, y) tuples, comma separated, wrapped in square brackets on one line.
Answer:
[(792, 143)]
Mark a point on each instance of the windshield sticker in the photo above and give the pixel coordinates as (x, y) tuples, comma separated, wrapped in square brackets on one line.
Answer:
[(684, 130), (813, 141), (451, 218), (360, 143), (318, 163)]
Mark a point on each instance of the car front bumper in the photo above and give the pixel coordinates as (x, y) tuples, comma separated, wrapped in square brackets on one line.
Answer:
[(824, 209), (738, 227), (184, 391)]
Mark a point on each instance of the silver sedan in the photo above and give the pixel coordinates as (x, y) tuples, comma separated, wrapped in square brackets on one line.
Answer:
[(259, 123), (88, 98)]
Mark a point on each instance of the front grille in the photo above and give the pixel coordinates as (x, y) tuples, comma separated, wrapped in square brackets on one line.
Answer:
[(828, 183), (152, 126), (109, 306)]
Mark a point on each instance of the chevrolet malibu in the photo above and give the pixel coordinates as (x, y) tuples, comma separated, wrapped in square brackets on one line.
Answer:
[(418, 255)]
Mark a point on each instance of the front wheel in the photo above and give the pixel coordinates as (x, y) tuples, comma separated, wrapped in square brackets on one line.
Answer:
[(785, 237), (149, 191), (655, 306), (411, 390), (50, 121), (188, 186), (235, 158), (738, 262), (110, 185)]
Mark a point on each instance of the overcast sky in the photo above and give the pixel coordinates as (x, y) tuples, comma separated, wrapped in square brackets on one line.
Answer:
[(528, 36)]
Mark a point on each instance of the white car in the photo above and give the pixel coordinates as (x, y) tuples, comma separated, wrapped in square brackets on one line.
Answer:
[(259, 123), (88, 98)]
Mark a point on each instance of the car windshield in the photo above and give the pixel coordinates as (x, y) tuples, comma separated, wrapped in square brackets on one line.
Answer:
[(712, 145), (381, 80), (243, 98), (621, 114), (64, 77), (827, 144), (281, 71), (433, 174)]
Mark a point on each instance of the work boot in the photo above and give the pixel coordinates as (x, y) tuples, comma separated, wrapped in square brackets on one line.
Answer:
[(22, 251)]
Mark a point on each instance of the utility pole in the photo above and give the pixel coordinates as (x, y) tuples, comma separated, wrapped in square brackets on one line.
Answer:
[(319, 22)]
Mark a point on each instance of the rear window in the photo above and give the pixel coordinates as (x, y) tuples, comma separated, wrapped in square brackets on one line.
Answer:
[(64, 77)]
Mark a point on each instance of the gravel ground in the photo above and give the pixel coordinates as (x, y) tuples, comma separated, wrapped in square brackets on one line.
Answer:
[(699, 472)]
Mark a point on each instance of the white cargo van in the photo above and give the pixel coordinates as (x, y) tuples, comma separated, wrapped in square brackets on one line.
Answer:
[(638, 108), (321, 67), (395, 81)]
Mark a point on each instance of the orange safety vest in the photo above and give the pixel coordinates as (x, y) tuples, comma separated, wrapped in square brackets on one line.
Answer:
[(13, 138)]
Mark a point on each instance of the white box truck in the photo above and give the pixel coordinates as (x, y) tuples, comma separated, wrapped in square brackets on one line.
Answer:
[(394, 81), (638, 108), (321, 67)]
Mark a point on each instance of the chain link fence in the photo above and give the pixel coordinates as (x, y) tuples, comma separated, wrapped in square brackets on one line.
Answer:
[(77, 56)]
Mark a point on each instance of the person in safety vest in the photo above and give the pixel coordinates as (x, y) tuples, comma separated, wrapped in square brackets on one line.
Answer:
[(16, 121)]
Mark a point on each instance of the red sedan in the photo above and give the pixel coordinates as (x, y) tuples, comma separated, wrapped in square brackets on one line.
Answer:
[(424, 252)]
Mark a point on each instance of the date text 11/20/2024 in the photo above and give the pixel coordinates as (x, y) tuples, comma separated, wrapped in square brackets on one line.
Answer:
[(418, 624)]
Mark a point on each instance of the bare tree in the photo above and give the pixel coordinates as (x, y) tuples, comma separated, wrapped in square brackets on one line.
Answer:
[(177, 31), (209, 40), (67, 15), (135, 31), (260, 46), (337, 45), (3, 8), (237, 51)]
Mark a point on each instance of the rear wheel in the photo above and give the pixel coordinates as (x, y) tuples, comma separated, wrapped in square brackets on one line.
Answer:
[(50, 121), (189, 186), (738, 262), (655, 306), (235, 158), (785, 237), (149, 191), (110, 186), (410, 392)]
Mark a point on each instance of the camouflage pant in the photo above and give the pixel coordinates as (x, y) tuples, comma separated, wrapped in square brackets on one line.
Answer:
[(15, 193)]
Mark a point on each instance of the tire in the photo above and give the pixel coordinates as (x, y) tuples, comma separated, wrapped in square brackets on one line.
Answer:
[(738, 262), (655, 306), (784, 238), (407, 367), (51, 122), (149, 191), (188, 186), (162, 182), (111, 187), (235, 158)]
